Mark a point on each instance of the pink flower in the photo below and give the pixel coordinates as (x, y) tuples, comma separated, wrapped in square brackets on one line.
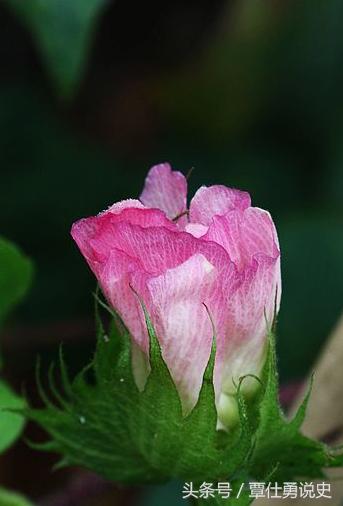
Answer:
[(221, 252)]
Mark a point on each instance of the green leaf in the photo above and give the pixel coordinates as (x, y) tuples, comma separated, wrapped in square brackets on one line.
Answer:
[(11, 424), (15, 276), (8, 498), (62, 30)]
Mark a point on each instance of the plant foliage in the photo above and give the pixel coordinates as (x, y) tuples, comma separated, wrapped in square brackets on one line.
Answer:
[(62, 31), (105, 423), (8, 498), (15, 276)]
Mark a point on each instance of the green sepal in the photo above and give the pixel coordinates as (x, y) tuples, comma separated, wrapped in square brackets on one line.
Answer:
[(158, 417)]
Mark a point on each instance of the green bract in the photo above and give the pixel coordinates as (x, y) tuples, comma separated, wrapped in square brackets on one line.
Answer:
[(106, 424)]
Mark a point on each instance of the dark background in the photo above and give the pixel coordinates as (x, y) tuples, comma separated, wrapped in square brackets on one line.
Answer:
[(248, 93)]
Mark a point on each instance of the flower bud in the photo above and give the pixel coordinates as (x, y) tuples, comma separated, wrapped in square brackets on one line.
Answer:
[(218, 260)]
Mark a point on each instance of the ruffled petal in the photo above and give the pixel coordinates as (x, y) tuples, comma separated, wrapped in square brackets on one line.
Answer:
[(152, 249), (216, 200), (118, 207), (166, 189), (244, 234), (157, 248), (95, 236)]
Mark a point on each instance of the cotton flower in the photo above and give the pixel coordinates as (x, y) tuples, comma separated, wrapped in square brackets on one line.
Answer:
[(220, 253)]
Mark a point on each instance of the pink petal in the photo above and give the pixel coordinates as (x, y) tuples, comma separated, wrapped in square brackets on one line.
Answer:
[(251, 311), (118, 207), (249, 236), (116, 276), (245, 234), (166, 189), (145, 235), (216, 200), (152, 250), (115, 270), (122, 253), (95, 236), (196, 229), (156, 248), (182, 323)]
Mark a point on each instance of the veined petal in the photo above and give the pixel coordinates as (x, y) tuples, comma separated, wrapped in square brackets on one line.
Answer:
[(250, 239), (159, 248), (122, 252), (250, 312), (215, 200), (166, 189), (117, 276), (245, 234), (182, 323), (95, 236)]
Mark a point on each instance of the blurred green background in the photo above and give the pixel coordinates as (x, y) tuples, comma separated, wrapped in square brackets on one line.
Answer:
[(247, 92)]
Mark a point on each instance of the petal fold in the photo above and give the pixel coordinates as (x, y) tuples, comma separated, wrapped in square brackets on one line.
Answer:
[(245, 234), (96, 236), (215, 200)]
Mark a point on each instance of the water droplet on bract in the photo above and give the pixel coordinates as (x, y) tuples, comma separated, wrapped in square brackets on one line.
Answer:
[(121, 380), (82, 420), (106, 338)]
